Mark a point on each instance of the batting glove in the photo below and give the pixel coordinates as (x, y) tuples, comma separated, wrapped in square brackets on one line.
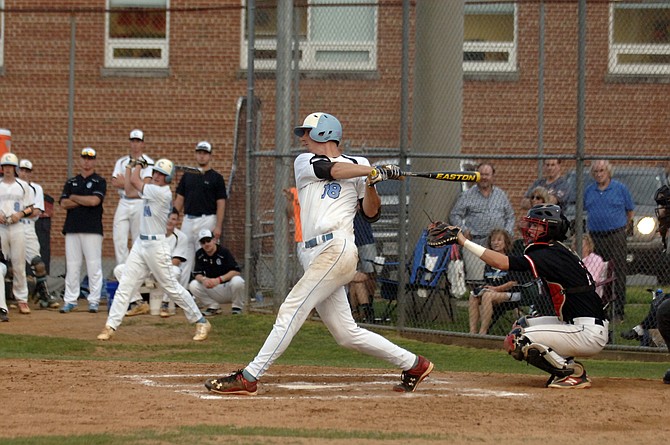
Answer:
[(383, 173)]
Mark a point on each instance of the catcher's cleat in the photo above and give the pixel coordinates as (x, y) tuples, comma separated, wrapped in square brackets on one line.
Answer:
[(106, 334), (571, 382), (411, 378), (23, 307), (235, 383), (202, 331)]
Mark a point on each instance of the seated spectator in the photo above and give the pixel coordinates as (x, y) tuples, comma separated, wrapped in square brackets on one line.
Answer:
[(500, 286), (594, 263), (217, 279), (647, 332)]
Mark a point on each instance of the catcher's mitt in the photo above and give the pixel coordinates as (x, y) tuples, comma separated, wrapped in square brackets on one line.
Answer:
[(442, 234)]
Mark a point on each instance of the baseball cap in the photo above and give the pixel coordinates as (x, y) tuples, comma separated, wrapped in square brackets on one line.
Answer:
[(26, 164), (137, 134), (204, 233), (204, 146), (88, 152)]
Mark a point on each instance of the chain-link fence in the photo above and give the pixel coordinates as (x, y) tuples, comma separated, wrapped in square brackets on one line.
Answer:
[(442, 85)]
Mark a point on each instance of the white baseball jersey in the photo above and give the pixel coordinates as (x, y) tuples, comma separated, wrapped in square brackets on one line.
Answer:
[(327, 206), (178, 243), (157, 203), (15, 196), (39, 198), (120, 169)]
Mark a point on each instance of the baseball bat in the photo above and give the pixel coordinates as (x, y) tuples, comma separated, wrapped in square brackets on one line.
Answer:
[(462, 176), (184, 168)]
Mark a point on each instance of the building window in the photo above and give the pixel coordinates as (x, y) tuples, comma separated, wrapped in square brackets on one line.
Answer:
[(137, 34), (341, 38), (2, 33), (640, 38), (489, 36)]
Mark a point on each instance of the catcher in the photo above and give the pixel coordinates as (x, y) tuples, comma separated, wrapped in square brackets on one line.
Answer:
[(577, 326)]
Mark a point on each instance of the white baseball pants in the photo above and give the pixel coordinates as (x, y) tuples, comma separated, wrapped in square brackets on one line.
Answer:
[(14, 248), (32, 243), (126, 222), (80, 247), (229, 292), (192, 226)]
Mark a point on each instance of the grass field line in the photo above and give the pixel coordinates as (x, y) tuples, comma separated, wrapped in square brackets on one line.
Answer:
[(378, 388)]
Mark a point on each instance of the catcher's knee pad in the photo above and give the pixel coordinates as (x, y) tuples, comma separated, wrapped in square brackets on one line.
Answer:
[(548, 360), (38, 267), (514, 343)]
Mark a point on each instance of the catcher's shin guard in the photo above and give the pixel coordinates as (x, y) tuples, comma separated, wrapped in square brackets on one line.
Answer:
[(42, 291), (547, 360)]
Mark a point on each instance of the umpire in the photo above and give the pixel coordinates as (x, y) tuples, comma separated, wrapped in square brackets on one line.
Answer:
[(202, 200)]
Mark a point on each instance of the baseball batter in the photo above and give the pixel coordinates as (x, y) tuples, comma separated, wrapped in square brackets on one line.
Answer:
[(16, 202), (579, 326), (330, 186), (127, 215), (151, 251)]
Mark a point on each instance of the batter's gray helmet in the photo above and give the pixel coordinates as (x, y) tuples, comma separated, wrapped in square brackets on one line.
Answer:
[(166, 167), (322, 127)]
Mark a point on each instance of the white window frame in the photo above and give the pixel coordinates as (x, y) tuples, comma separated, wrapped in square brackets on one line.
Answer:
[(485, 66), (617, 49), (310, 50), (2, 34), (124, 62)]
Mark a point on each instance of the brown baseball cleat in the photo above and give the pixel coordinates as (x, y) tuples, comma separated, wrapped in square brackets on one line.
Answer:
[(234, 384), (411, 378)]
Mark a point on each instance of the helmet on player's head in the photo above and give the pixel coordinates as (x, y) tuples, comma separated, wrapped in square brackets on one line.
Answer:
[(322, 127), (166, 167), (543, 223), (9, 159)]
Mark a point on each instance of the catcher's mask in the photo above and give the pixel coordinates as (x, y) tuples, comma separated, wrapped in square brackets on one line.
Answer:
[(544, 223)]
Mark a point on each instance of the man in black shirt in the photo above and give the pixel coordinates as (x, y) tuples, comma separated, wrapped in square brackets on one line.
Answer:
[(217, 279), (202, 200), (574, 324), (82, 197)]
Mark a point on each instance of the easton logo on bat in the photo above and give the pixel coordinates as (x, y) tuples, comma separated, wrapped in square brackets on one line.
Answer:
[(469, 177)]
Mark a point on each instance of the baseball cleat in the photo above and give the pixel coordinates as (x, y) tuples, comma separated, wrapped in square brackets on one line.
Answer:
[(23, 307), (202, 331), (3, 315), (411, 378), (165, 311), (68, 307), (106, 334), (210, 312), (93, 308), (140, 308), (571, 382), (234, 384), (666, 377)]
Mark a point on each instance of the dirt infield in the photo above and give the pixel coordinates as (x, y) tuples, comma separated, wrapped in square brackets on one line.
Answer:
[(50, 397)]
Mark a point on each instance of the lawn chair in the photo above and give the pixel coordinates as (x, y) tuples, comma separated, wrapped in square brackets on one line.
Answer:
[(427, 283)]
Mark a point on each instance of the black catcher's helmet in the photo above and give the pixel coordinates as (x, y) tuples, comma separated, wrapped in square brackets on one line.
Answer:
[(662, 198), (551, 224)]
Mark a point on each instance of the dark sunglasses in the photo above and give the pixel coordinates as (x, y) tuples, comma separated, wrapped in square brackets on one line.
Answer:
[(205, 240)]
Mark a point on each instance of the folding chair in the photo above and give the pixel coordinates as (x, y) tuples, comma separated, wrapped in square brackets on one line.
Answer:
[(427, 283), (509, 311)]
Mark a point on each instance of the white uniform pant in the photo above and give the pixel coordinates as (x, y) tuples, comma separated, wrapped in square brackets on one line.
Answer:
[(80, 247), (3, 297), (150, 256), (229, 292), (192, 226), (32, 242), (126, 222), (14, 248), (328, 268), (118, 274), (582, 339)]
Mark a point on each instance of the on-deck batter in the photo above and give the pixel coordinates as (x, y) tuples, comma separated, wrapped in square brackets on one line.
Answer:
[(330, 186)]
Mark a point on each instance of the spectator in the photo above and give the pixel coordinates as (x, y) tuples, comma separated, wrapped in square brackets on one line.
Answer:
[(202, 199), (663, 322), (4, 313), (554, 183), (216, 277), (610, 209), (499, 285), (362, 287), (151, 252), (16, 203), (38, 268), (82, 197), (128, 211), (293, 214), (644, 331), (594, 263), (478, 211), (537, 197)]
